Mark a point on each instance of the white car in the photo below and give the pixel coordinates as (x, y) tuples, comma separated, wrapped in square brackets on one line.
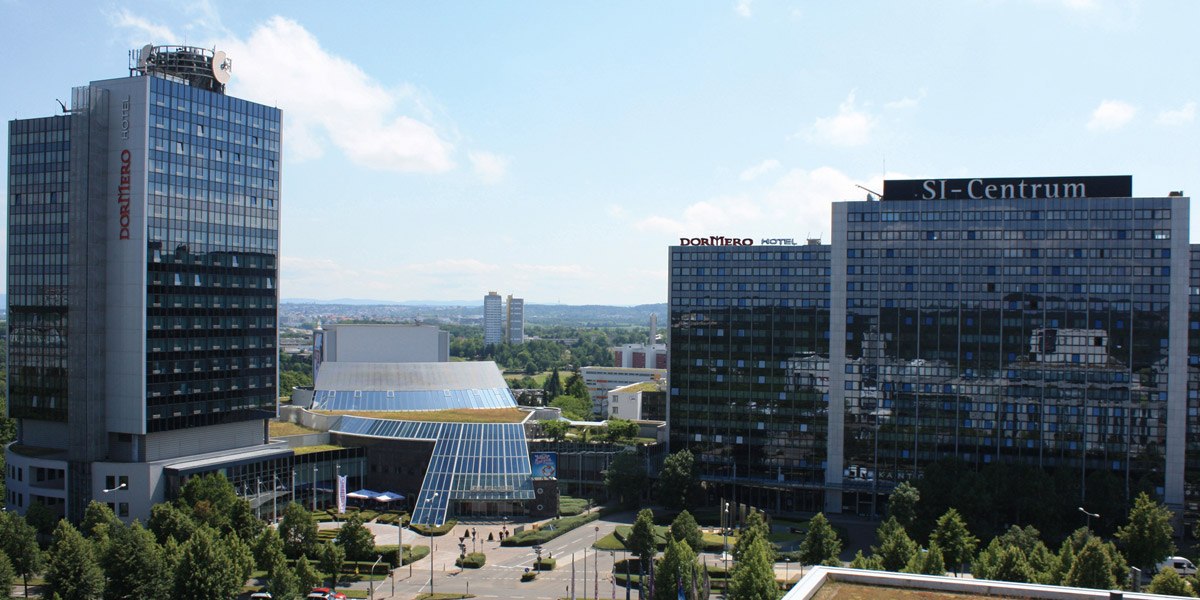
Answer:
[(1179, 564)]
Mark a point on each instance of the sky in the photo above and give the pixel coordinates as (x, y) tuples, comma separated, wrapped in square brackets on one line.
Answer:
[(435, 151)]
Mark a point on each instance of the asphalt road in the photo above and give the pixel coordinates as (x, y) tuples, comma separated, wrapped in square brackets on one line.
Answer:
[(500, 577)]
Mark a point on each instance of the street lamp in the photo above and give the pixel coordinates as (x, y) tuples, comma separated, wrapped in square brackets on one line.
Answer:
[(1089, 517), (122, 486), (595, 564), (371, 593), (725, 532), (314, 486), (613, 577), (429, 527)]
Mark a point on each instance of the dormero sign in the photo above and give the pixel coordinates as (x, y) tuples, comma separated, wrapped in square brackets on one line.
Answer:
[(1006, 188)]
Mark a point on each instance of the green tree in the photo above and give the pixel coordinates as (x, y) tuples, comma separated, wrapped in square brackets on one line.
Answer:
[(284, 585), (72, 571), (1146, 539), (332, 559), (555, 429), (956, 542), (753, 576), (902, 504), (677, 480), (640, 540), (895, 548), (298, 530), (208, 568), (821, 543), (41, 517), (213, 502), (306, 575), (268, 550), (356, 539), (135, 565), (7, 575), (98, 522), (1003, 562), (754, 528), (1074, 545), (1092, 567), (626, 478), (676, 569), (927, 561), (168, 521), (685, 529), (616, 430), (869, 563), (575, 386), (552, 386), (573, 407), (18, 540), (1169, 583)]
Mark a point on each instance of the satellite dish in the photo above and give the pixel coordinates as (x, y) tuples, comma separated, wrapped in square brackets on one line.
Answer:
[(220, 67), (144, 57)]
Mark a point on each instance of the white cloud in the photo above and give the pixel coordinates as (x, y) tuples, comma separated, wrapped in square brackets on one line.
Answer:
[(1111, 115), (1178, 116), (849, 127), (326, 97), (327, 101), (491, 168), (143, 31), (616, 211), (906, 102), (796, 205), (743, 8), (756, 171)]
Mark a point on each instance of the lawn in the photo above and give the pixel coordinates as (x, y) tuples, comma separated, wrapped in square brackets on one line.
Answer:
[(465, 415), (286, 428)]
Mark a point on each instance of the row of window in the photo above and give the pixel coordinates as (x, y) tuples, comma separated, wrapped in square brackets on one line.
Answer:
[(1008, 234), (1076, 216), (1012, 270), (997, 253)]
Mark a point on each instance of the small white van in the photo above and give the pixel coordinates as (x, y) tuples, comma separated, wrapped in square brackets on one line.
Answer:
[(1179, 564)]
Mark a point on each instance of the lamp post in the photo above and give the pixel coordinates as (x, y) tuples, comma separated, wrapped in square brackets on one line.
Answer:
[(613, 577), (119, 487), (314, 486), (628, 583), (430, 529), (595, 563), (786, 563), (725, 532), (1089, 517), (371, 593), (275, 498)]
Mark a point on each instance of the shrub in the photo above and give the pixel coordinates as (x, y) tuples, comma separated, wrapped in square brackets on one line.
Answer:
[(548, 531), (473, 560), (545, 564), (442, 529), (528, 576)]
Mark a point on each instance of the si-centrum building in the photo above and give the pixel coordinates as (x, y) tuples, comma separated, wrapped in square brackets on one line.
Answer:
[(1051, 322)]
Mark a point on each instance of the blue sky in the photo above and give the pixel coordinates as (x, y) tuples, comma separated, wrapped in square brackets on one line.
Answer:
[(553, 150)]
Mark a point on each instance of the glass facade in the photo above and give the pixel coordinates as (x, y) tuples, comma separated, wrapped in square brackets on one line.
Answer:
[(1006, 331), (212, 211), (39, 152), (1041, 332), (749, 369)]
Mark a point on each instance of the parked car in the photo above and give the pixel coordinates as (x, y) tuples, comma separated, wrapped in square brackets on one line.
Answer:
[(1179, 564), (260, 596), (324, 593)]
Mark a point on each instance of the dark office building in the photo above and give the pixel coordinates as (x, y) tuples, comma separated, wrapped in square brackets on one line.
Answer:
[(749, 355), (1033, 321), (143, 241)]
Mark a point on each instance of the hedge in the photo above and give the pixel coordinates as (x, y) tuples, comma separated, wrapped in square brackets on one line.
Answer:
[(549, 531), (545, 564), (411, 554), (473, 560), (528, 575), (442, 529)]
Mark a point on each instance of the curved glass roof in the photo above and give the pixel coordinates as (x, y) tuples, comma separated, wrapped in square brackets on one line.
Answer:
[(471, 461), (420, 400)]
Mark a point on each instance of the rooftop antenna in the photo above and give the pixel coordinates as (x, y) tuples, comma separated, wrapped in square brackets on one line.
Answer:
[(869, 193)]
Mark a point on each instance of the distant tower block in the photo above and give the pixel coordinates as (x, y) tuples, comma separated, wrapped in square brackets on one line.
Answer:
[(653, 329)]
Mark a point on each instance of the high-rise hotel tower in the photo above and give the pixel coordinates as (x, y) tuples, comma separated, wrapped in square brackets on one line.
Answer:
[(143, 248)]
